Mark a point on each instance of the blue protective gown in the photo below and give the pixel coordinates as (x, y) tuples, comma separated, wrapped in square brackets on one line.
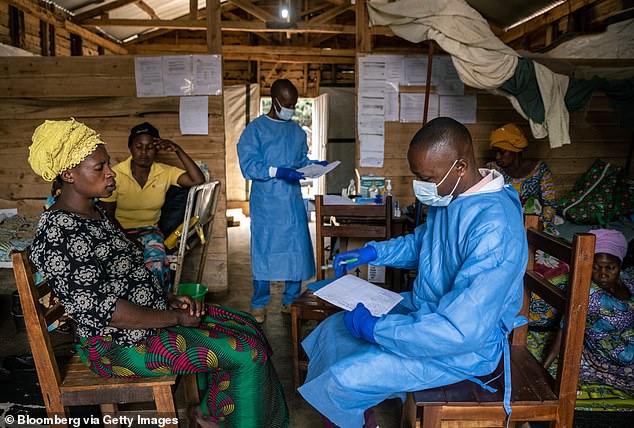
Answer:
[(280, 241), (471, 257)]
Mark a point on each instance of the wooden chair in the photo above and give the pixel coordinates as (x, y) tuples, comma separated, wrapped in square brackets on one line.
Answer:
[(356, 221), (536, 396), (75, 384)]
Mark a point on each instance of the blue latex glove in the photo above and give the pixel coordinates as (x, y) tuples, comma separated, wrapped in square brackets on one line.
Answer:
[(318, 162), (360, 323), (289, 174), (352, 259)]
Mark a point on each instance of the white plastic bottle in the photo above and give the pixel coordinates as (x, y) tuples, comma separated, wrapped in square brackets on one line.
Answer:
[(388, 188), (352, 189), (373, 191), (397, 210)]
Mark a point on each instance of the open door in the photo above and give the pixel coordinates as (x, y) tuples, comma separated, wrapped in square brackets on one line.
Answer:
[(320, 137)]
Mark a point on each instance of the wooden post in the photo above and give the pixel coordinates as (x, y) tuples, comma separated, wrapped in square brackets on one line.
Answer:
[(193, 9), (214, 32), (364, 38), (430, 57)]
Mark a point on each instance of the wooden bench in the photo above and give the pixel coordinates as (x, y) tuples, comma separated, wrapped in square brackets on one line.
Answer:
[(536, 396), (74, 384)]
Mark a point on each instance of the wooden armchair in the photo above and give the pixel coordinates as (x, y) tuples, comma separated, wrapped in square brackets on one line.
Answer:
[(536, 396), (75, 384)]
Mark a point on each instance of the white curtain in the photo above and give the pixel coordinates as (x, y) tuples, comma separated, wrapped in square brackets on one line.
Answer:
[(235, 104), (320, 136)]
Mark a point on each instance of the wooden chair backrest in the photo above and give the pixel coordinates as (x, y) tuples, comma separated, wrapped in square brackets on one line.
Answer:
[(357, 221), (37, 322), (572, 304)]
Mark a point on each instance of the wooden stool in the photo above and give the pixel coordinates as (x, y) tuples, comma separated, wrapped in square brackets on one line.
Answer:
[(306, 307)]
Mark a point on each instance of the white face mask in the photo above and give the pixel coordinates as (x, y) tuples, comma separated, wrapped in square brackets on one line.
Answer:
[(427, 193), (283, 113)]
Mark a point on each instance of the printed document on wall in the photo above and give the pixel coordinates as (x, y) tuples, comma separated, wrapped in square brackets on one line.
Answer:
[(148, 74), (194, 115), (391, 102), (371, 67), (371, 150), (177, 75), (463, 109), (415, 70), (413, 105), (207, 74)]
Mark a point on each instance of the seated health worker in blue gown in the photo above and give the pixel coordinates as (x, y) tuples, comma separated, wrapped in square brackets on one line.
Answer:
[(270, 150), (470, 254)]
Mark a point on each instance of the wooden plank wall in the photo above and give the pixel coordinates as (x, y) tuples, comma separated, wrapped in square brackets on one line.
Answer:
[(32, 36), (595, 133), (101, 93)]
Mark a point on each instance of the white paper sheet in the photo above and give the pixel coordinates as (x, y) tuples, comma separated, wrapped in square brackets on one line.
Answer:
[(349, 290), (177, 75), (371, 150), (413, 105), (148, 75), (463, 109), (372, 67), (194, 115), (391, 102), (207, 74), (415, 70), (394, 69), (316, 171)]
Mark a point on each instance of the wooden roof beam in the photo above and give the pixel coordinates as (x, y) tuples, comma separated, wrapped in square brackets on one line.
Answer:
[(246, 26), (330, 14), (45, 15), (254, 10), (147, 9), (98, 11), (314, 9), (268, 54), (549, 17)]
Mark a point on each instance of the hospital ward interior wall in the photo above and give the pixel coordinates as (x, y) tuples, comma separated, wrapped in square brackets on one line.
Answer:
[(99, 91), (595, 132)]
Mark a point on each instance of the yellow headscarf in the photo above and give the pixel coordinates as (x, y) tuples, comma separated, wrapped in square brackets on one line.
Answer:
[(509, 137), (59, 145)]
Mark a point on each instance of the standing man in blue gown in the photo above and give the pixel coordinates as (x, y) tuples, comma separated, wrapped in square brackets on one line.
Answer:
[(470, 255), (270, 150)]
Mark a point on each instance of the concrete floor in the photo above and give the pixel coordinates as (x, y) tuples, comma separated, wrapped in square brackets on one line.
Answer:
[(277, 327), (25, 390)]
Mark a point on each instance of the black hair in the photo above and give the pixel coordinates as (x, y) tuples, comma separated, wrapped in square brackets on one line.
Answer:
[(442, 131), (281, 85), (143, 128)]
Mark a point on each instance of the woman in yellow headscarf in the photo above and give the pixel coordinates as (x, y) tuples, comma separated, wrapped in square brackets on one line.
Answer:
[(531, 178), (127, 326)]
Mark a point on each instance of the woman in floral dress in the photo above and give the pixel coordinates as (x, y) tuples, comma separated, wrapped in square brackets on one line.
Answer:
[(127, 326), (532, 179)]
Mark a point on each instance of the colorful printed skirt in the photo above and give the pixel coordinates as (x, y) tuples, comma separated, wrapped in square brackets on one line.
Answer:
[(153, 253), (229, 347)]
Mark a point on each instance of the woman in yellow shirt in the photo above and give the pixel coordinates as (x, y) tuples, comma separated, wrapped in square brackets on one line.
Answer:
[(141, 187)]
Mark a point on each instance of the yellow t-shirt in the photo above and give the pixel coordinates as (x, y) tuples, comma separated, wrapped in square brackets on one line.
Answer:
[(140, 207)]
